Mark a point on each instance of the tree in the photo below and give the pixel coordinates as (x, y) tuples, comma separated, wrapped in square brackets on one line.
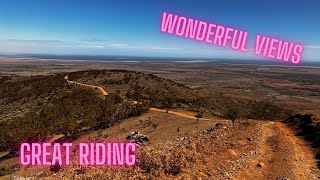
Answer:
[(232, 114), (198, 116)]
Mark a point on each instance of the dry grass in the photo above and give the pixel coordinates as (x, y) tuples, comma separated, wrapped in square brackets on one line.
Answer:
[(200, 154)]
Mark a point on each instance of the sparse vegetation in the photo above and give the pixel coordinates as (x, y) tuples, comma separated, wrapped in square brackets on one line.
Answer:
[(47, 105), (9, 169), (250, 109), (154, 126), (69, 110), (231, 114), (308, 126), (145, 123), (188, 158), (159, 92), (199, 115)]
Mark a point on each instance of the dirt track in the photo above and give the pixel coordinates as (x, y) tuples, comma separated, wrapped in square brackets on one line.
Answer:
[(281, 154), (179, 114), (103, 92)]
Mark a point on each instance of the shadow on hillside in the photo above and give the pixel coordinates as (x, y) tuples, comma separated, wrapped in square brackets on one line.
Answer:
[(308, 129)]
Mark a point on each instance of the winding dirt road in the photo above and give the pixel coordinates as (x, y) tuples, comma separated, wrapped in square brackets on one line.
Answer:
[(103, 92)]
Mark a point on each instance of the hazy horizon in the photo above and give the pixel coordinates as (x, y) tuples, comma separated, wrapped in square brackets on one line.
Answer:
[(122, 28), (115, 58)]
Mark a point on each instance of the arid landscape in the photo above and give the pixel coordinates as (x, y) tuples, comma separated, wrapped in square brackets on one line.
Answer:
[(204, 119)]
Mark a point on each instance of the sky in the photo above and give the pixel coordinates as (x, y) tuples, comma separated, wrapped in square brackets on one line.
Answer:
[(132, 27)]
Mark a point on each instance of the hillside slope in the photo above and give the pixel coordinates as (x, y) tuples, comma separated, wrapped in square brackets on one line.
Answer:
[(36, 108), (134, 85)]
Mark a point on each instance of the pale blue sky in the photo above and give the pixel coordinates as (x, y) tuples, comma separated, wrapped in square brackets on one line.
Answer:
[(132, 28)]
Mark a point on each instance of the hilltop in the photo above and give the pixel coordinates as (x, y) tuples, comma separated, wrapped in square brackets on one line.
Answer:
[(38, 107), (160, 92)]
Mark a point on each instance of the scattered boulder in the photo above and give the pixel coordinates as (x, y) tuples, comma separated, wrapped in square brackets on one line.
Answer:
[(210, 129), (232, 152), (260, 165), (138, 138), (207, 131), (219, 125)]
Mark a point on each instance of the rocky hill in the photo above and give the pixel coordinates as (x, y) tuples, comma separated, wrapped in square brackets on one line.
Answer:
[(36, 108), (134, 85)]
